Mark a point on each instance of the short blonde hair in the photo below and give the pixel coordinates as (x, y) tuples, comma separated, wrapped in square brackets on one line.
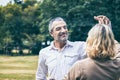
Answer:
[(100, 42)]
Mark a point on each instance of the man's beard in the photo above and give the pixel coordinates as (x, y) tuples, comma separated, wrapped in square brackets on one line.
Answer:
[(62, 37)]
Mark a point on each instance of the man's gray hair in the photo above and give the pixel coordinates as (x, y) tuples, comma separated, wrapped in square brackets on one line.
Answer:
[(51, 22)]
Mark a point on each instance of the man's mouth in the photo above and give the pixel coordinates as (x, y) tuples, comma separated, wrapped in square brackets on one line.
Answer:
[(63, 35)]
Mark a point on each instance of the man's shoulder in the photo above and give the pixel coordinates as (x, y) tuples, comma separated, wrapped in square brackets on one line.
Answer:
[(45, 49), (77, 42)]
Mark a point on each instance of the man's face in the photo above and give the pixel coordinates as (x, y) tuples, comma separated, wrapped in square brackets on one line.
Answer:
[(59, 31)]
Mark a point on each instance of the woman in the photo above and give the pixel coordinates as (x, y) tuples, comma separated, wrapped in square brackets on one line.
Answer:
[(101, 63)]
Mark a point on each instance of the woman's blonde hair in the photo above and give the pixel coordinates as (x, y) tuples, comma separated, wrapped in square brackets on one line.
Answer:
[(100, 42)]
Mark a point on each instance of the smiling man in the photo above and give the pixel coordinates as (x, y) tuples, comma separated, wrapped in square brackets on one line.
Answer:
[(56, 59)]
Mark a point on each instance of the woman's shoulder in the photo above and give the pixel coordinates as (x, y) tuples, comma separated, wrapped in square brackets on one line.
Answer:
[(84, 62)]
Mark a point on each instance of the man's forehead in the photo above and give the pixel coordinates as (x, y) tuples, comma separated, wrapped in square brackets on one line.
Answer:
[(58, 23)]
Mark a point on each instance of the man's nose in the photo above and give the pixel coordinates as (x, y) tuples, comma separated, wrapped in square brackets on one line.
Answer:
[(63, 30)]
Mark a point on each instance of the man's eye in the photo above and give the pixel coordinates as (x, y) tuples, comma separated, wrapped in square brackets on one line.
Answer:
[(65, 27), (58, 28)]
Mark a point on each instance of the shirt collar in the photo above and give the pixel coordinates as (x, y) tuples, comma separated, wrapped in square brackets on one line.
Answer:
[(68, 44)]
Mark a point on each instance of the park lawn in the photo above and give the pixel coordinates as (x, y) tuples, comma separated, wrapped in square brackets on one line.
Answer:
[(18, 67)]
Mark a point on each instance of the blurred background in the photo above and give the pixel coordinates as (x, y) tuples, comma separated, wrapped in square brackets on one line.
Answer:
[(24, 28), (24, 23)]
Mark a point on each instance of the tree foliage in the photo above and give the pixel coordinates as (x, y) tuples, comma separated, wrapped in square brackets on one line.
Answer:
[(27, 20)]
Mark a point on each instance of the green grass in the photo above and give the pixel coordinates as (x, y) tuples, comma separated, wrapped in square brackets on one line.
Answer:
[(18, 67)]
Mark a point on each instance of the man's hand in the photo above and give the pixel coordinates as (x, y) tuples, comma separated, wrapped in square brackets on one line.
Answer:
[(102, 19)]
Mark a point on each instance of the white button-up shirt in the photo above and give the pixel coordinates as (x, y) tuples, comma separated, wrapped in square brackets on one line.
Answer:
[(54, 64)]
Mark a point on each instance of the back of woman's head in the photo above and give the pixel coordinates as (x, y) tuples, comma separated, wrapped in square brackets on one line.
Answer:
[(100, 42)]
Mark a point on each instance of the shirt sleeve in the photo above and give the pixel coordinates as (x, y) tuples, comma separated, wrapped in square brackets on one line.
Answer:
[(82, 50), (42, 68), (117, 46)]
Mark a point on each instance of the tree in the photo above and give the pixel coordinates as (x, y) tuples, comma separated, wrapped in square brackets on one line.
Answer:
[(28, 21), (18, 1), (79, 14)]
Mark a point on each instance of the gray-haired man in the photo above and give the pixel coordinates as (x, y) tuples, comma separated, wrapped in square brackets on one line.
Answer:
[(56, 59)]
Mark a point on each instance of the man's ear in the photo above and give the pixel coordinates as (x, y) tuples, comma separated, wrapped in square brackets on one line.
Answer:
[(51, 33)]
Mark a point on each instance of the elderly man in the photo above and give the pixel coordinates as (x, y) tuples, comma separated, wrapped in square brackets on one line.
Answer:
[(56, 59)]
